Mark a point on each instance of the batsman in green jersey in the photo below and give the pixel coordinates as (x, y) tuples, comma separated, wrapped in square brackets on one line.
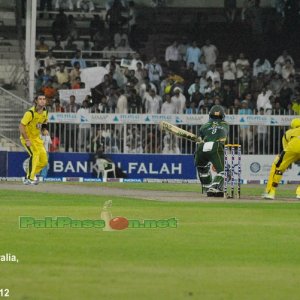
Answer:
[(211, 151)]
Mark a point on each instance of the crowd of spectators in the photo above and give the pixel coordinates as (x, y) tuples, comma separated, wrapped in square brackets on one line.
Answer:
[(191, 84)]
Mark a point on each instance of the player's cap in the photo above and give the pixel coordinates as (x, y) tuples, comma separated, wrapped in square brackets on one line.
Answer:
[(295, 123), (217, 112)]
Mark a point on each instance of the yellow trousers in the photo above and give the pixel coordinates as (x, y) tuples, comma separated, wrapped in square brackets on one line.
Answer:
[(290, 155), (38, 157)]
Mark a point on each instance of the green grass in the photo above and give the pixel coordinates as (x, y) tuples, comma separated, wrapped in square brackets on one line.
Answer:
[(218, 251)]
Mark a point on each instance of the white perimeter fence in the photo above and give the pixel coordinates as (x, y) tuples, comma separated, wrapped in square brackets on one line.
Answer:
[(140, 133)]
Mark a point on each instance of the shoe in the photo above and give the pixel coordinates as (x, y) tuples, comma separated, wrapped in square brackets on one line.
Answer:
[(204, 188), (270, 195), (30, 182), (213, 192)]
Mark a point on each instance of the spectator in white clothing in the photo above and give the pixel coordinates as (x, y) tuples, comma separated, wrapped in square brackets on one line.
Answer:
[(210, 53), (84, 126), (281, 61), (145, 87), (262, 135), (201, 67), (51, 62), (287, 69), (168, 106), (170, 143), (242, 64), (85, 5), (179, 100), (152, 102), (136, 59), (172, 57), (155, 71), (122, 103), (246, 134), (263, 99), (229, 71), (261, 65), (213, 74)]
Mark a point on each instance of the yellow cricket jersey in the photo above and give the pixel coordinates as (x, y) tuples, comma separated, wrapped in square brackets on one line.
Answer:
[(291, 138), (33, 122)]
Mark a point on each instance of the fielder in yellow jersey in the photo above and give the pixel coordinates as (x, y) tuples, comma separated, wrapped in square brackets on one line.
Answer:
[(289, 155), (30, 127)]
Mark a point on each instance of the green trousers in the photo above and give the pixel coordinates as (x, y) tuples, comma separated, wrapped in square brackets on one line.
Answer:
[(214, 156)]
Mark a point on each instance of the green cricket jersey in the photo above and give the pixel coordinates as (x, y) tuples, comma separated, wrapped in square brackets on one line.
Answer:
[(214, 130)]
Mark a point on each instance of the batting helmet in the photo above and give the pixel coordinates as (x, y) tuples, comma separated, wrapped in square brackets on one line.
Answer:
[(217, 112)]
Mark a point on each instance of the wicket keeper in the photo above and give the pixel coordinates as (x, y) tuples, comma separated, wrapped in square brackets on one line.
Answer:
[(289, 155), (214, 135), (30, 127)]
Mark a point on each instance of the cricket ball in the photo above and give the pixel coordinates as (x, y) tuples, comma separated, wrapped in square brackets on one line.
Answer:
[(118, 223)]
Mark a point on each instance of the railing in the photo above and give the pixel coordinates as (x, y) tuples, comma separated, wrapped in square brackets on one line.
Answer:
[(77, 13), (92, 58), (131, 133), (89, 53), (12, 109), (6, 144), (133, 138)]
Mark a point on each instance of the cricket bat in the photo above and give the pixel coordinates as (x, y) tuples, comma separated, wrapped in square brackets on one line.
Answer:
[(163, 125)]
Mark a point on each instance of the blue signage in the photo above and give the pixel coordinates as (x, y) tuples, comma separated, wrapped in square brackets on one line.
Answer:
[(133, 166)]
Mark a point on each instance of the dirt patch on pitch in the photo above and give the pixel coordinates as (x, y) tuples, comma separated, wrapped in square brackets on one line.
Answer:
[(166, 196)]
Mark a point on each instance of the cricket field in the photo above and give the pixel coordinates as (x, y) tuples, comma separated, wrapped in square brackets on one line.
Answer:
[(194, 247)]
